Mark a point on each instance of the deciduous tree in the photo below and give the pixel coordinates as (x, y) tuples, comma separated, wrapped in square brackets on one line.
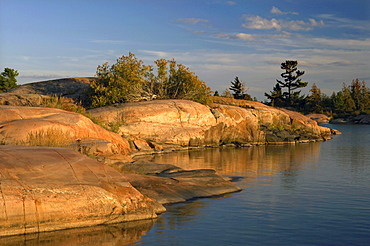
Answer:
[(130, 80)]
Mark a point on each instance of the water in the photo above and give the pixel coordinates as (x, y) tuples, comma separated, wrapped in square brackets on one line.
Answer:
[(305, 194)]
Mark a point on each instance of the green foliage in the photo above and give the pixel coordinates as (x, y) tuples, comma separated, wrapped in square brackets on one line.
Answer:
[(8, 79), (239, 89), (62, 103), (276, 96), (121, 82), (351, 100), (314, 102), (291, 82), (130, 80)]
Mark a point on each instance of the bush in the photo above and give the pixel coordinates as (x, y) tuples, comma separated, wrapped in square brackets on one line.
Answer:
[(129, 80)]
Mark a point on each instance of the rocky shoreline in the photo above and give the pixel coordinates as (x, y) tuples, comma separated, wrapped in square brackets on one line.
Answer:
[(324, 119), (51, 188), (46, 189)]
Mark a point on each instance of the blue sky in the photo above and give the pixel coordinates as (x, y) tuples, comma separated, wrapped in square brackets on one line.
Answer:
[(216, 39)]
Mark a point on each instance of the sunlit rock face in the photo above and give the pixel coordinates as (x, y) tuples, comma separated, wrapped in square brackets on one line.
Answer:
[(188, 123), (17, 123), (45, 189), (163, 121)]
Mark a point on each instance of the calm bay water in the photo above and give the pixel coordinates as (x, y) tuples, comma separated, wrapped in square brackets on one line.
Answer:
[(305, 194)]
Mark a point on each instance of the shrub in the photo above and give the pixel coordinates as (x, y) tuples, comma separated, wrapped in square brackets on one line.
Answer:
[(130, 80)]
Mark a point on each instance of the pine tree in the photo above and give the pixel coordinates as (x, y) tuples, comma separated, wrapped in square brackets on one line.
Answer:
[(276, 96), (291, 81), (238, 88), (8, 79), (349, 103)]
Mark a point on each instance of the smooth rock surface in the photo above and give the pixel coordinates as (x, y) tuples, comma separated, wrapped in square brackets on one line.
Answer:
[(45, 189), (188, 123), (170, 184), (17, 123)]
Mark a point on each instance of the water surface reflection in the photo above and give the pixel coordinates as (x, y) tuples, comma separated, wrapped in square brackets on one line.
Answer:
[(114, 234), (255, 161)]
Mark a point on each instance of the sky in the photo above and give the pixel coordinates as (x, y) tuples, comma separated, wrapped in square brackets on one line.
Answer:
[(218, 40)]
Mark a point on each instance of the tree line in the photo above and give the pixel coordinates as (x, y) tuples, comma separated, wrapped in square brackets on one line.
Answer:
[(353, 99), (129, 79)]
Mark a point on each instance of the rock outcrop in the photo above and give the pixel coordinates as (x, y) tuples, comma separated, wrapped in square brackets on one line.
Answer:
[(320, 118), (167, 183), (74, 88), (44, 189), (186, 123), (359, 119), (21, 125)]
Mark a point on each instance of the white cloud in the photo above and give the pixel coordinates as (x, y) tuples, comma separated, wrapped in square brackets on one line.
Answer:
[(260, 23), (199, 32), (191, 21), (230, 3), (335, 21), (315, 23), (244, 36), (160, 54), (238, 36), (257, 22), (275, 10), (344, 43)]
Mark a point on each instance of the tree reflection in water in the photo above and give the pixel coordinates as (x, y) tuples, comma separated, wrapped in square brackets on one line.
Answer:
[(250, 162)]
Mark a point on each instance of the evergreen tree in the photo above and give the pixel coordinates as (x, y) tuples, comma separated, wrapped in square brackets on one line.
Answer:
[(276, 96), (238, 88), (8, 79), (365, 93), (314, 101), (338, 102), (291, 82), (360, 96)]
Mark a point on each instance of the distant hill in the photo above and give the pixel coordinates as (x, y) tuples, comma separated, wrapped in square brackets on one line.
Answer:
[(74, 88)]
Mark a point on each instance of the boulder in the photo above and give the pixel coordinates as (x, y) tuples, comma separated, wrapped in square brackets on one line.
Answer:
[(45, 189), (22, 125), (360, 119)]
